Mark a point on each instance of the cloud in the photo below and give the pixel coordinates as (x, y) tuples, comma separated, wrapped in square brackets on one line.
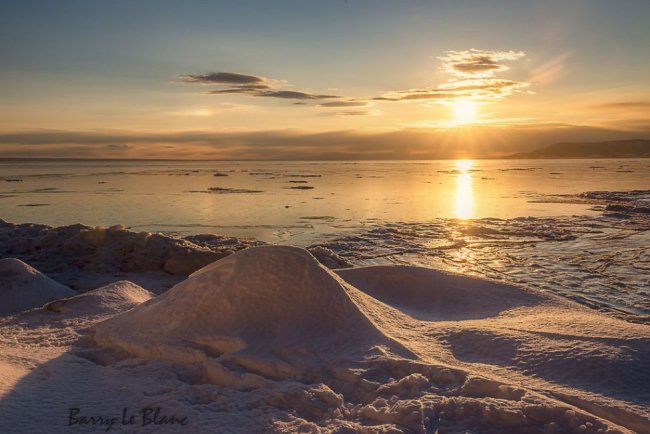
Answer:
[(263, 91), (252, 89), (631, 105), (235, 83), (477, 90), (473, 77), (477, 63), (292, 94), (345, 104), (231, 78), (408, 143), (356, 113)]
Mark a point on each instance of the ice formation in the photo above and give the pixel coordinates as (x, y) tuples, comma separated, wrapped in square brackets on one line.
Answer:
[(75, 254)]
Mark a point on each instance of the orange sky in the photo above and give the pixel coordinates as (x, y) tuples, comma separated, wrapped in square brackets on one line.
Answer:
[(351, 80)]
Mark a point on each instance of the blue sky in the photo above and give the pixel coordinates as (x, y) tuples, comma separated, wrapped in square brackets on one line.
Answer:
[(88, 65)]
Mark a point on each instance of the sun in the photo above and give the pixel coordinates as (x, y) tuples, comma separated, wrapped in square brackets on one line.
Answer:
[(465, 112)]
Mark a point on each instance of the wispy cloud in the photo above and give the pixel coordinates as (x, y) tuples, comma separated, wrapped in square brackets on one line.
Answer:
[(477, 63), (345, 104), (630, 105), (228, 78), (292, 94), (473, 77), (355, 113), (235, 83), (252, 89)]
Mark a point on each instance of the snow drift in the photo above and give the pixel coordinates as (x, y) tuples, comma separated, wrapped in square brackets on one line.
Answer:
[(274, 309), (413, 352), (110, 299), (23, 287), (428, 294)]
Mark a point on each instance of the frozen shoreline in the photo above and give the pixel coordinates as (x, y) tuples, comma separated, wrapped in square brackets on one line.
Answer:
[(601, 260), (359, 337), (267, 339)]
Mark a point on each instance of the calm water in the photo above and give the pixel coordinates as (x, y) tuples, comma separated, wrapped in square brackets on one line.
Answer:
[(175, 196), (517, 221)]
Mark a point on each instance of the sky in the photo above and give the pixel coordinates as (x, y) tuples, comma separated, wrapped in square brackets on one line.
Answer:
[(319, 79)]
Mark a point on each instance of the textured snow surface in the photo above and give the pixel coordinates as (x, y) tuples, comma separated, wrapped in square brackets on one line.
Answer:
[(265, 299), (113, 298), (86, 257), (269, 340), (22, 287)]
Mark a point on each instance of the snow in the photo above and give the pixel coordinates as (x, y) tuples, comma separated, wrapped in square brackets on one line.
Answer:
[(269, 340), (454, 297), (261, 300), (23, 287), (110, 299), (85, 257)]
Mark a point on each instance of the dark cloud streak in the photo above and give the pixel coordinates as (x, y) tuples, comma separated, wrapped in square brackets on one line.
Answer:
[(473, 77), (292, 94), (344, 104), (229, 78), (248, 85)]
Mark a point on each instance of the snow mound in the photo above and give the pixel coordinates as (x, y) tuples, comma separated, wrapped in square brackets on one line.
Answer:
[(270, 300), (268, 340), (23, 287), (110, 299), (435, 295)]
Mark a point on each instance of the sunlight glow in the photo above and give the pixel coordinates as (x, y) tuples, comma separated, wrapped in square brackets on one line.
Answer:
[(464, 199), (465, 111), (464, 165)]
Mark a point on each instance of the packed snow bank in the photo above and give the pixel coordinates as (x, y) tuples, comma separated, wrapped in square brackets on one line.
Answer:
[(23, 287), (110, 299), (429, 294), (295, 348), (270, 300), (530, 337)]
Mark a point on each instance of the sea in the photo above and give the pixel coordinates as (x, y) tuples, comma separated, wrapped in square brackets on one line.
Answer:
[(579, 228)]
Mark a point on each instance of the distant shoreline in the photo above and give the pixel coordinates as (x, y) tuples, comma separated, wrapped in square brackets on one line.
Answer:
[(512, 157), (612, 149)]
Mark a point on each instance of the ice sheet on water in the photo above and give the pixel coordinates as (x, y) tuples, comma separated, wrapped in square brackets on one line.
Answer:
[(602, 261)]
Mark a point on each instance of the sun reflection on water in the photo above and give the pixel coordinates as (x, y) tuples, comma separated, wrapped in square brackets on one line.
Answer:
[(464, 199)]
